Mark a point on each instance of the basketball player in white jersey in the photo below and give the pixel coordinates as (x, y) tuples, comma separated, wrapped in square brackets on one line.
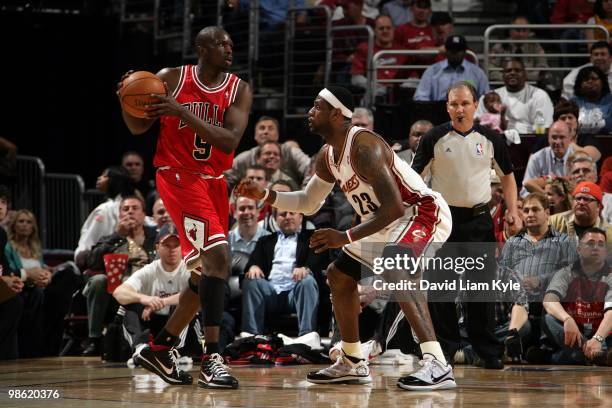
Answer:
[(398, 212)]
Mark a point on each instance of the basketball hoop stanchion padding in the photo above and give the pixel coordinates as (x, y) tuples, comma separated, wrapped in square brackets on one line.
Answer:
[(115, 266)]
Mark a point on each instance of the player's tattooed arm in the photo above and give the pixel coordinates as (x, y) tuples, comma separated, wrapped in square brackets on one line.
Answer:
[(371, 161)]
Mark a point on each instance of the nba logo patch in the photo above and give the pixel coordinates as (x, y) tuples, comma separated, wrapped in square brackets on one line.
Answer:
[(479, 149), (195, 231)]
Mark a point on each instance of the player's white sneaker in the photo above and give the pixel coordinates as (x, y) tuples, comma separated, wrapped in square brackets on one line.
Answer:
[(433, 375), (342, 371)]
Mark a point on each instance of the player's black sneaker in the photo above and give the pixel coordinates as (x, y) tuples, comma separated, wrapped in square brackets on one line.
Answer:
[(213, 373), (433, 375), (162, 361)]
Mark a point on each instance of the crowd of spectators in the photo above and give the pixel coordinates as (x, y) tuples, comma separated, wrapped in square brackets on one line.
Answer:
[(128, 256)]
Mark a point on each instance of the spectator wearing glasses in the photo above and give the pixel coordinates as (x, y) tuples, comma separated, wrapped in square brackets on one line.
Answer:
[(585, 213), (581, 168)]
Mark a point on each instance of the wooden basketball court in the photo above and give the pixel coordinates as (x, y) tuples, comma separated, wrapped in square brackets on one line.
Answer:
[(87, 382)]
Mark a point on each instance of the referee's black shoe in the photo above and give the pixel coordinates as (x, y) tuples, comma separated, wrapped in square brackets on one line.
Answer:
[(162, 361)]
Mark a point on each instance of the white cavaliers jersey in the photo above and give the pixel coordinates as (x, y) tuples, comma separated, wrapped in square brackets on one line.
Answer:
[(360, 193)]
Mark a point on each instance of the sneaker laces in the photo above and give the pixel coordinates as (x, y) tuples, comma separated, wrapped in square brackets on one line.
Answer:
[(174, 356), (217, 366)]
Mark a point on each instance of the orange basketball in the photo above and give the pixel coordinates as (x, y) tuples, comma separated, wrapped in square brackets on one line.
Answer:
[(136, 90)]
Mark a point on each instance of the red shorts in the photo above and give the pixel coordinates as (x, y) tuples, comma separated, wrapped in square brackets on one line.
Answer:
[(199, 208)]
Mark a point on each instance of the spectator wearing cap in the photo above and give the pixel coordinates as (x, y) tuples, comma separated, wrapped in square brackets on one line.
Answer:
[(585, 213), (438, 78), (522, 100), (400, 11), (146, 296), (549, 162)]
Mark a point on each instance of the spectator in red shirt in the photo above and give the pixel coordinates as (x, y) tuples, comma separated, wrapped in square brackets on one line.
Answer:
[(383, 40), (571, 11), (418, 33)]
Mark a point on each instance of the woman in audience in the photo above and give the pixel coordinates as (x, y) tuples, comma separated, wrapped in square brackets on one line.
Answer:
[(594, 101), (557, 191), (24, 254)]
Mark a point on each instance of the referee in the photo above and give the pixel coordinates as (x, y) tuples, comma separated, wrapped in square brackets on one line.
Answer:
[(459, 155)]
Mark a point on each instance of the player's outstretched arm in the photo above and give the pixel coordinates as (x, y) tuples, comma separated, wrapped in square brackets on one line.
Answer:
[(306, 201), (371, 160)]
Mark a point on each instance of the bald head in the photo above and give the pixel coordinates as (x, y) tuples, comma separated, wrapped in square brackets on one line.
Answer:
[(208, 35), (559, 138)]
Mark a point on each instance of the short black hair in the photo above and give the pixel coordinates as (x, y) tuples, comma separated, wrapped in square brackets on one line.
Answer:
[(132, 197), (594, 230), (343, 95), (119, 182), (514, 59), (441, 18), (601, 44), (565, 107)]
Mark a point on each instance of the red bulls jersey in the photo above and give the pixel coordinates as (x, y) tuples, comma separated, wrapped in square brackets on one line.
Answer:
[(178, 145)]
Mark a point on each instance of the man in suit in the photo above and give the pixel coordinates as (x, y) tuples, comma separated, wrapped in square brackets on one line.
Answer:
[(279, 277)]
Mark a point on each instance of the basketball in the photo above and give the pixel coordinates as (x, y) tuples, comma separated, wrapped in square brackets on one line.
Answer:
[(136, 90)]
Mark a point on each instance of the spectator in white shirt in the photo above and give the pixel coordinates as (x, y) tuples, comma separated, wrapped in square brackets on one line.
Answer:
[(522, 100)]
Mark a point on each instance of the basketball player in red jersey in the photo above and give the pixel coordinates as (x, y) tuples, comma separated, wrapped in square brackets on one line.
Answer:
[(201, 123)]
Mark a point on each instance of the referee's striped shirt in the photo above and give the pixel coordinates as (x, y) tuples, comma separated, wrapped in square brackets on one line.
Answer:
[(460, 163)]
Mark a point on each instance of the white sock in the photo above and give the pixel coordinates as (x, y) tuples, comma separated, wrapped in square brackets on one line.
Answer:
[(433, 348), (352, 349)]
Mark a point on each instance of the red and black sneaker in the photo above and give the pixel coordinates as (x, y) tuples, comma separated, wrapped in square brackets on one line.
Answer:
[(161, 360), (213, 373)]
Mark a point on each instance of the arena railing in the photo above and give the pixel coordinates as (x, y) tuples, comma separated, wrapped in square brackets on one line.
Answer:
[(488, 41), (307, 61), (65, 210), (374, 66), (29, 191)]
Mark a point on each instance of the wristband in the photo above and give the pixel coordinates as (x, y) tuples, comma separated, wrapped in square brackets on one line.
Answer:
[(598, 338), (567, 318), (266, 195), (349, 236)]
